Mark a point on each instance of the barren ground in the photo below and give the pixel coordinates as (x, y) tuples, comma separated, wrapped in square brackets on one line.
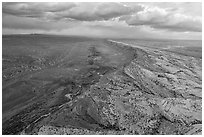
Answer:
[(74, 85)]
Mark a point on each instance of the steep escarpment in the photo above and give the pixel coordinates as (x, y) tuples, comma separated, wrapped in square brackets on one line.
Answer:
[(156, 93), (121, 90), (30, 98)]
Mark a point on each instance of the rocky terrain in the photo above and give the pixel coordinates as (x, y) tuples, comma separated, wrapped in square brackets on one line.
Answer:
[(114, 89)]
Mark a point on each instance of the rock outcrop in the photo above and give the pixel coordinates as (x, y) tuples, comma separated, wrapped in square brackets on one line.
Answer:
[(155, 92)]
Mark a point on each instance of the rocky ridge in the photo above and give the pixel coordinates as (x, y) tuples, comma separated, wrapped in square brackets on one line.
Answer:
[(158, 92)]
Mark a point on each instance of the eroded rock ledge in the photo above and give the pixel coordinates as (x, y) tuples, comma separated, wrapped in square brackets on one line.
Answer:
[(156, 93)]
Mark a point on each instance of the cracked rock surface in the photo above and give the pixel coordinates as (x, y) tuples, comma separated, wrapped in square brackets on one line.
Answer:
[(152, 92), (156, 93)]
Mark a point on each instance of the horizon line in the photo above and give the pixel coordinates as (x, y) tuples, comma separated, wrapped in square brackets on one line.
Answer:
[(64, 35)]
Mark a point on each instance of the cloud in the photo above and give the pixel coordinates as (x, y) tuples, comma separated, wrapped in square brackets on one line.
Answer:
[(34, 9), (187, 8), (77, 11), (134, 14), (97, 11), (123, 20), (159, 18), (14, 22)]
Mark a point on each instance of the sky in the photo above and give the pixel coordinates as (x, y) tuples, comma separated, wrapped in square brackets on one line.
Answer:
[(105, 19)]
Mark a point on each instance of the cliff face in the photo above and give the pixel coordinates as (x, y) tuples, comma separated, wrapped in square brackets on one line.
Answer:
[(156, 93)]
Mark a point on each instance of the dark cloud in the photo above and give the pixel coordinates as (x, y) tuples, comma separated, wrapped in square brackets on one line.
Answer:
[(112, 10), (34, 9), (97, 11), (77, 11), (120, 19)]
